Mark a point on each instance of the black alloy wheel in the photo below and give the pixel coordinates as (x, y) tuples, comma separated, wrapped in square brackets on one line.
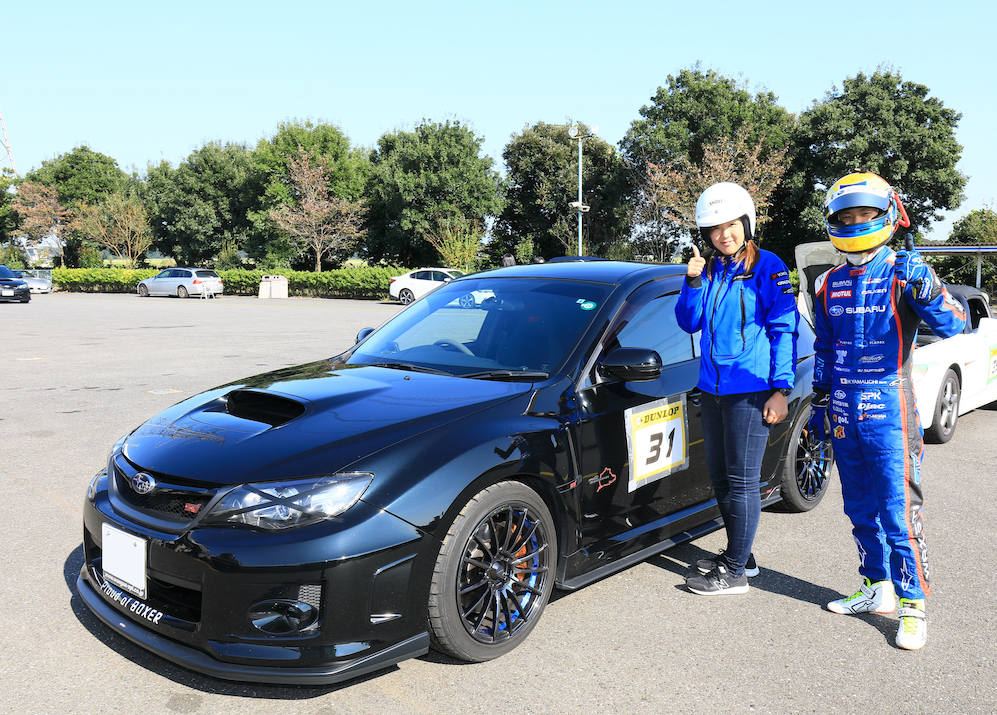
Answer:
[(807, 468), (494, 574)]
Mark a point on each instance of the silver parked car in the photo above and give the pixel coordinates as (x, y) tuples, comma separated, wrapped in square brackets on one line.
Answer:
[(182, 282), (35, 284)]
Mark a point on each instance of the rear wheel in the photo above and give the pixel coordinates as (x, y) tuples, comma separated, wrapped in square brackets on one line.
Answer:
[(182, 292), (946, 410), (807, 468), (494, 574), (406, 296)]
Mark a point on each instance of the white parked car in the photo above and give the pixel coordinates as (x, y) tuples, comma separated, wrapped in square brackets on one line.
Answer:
[(182, 282), (951, 375), (415, 284)]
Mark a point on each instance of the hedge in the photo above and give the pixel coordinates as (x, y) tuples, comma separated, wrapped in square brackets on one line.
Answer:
[(358, 282)]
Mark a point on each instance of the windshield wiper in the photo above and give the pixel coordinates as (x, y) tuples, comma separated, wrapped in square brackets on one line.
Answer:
[(532, 375), (413, 368)]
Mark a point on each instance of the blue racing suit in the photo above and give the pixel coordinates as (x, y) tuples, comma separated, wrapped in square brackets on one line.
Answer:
[(866, 324)]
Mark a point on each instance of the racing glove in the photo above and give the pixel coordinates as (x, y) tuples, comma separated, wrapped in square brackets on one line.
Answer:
[(817, 424), (910, 269)]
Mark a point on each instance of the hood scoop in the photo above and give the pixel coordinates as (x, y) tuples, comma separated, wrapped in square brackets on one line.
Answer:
[(264, 407)]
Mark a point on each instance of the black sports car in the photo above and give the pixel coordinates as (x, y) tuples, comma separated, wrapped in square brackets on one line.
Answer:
[(428, 487), (12, 288)]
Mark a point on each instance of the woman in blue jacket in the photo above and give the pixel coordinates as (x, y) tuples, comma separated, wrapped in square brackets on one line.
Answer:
[(740, 298)]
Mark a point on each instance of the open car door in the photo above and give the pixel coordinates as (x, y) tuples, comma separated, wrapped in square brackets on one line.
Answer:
[(813, 260)]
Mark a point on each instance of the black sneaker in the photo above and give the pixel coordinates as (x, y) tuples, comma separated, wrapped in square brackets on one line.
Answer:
[(704, 566), (717, 582)]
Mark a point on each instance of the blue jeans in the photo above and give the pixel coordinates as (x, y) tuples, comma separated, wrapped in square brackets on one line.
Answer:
[(735, 434)]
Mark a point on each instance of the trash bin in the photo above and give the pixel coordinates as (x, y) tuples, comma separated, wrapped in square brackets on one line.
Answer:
[(273, 287)]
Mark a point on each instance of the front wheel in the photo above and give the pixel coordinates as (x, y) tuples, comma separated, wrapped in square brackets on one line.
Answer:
[(143, 291), (807, 467), (946, 410), (494, 573)]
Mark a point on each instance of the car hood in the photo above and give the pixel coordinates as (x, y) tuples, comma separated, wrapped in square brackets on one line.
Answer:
[(304, 421)]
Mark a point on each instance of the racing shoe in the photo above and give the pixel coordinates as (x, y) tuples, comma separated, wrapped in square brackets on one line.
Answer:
[(704, 566), (717, 582), (870, 598), (913, 631)]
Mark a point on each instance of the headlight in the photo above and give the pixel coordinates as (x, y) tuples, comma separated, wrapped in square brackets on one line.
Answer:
[(287, 505), (98, 483)]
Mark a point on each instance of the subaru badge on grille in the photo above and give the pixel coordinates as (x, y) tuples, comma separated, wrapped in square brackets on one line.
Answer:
[(142, 482)]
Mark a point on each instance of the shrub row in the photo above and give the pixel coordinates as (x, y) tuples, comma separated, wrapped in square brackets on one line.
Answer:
[(358, 282)]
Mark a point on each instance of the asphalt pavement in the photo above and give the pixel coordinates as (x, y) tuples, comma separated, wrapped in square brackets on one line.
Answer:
[(78, 371)]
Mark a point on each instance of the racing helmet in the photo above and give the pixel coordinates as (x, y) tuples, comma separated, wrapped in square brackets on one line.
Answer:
[(865, 189), (725, 202)]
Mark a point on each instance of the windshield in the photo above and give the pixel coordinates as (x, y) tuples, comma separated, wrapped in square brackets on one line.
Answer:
[(6, 272), (489, 328)]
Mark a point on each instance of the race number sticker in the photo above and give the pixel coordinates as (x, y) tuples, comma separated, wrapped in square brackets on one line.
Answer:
[(992, 370), (657, 440)]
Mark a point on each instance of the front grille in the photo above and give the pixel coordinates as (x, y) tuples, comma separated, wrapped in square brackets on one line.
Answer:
[(170, 501)]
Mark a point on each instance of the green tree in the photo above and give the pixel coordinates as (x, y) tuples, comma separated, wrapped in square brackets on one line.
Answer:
[(80, 176), (977, 228), (420, 178), (327, 226), (117, 222), (880, 123), (542, 181), (698, 108), (458, 242), (201, 208), (346, 169)]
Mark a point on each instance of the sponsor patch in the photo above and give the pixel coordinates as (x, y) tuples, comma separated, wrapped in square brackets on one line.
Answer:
[(841, 294)]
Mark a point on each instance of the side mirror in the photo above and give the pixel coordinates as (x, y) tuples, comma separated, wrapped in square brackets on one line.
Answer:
[(632, 364), (363, 334)]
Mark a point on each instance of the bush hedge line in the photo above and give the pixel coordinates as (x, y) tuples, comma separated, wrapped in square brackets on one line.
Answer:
[(358, 282)]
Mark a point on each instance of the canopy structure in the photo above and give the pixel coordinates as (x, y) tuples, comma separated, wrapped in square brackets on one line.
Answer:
[(978, 251)]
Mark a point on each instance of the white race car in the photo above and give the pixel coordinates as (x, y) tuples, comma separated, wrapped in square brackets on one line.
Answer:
[(951, 375)]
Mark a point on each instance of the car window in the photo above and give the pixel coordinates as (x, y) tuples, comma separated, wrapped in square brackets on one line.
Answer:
[(165, 274), (654, 326), (6, 272), (488, 324), (206, 274), (977, 311), (422, 275), (441, 276)]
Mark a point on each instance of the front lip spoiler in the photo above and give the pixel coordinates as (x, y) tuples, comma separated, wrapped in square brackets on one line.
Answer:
[(200, 662)]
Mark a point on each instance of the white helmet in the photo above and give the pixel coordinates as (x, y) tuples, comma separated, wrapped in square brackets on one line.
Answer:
[(725, 202)]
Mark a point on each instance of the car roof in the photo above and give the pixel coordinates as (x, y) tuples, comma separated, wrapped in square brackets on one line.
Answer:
[(616, 272), (967, 291)]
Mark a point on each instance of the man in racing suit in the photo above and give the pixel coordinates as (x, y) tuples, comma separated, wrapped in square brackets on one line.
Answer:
[(866, 314)]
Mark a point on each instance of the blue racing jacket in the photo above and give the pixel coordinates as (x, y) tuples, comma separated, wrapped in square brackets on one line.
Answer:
[(749, 325), (866, 322)]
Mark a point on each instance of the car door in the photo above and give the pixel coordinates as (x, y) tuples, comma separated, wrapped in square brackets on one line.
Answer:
[(640, 444), (978, 354), (161, 283)]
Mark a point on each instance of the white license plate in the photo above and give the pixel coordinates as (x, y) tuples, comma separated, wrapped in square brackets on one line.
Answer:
[(124, 560), (7, 292)]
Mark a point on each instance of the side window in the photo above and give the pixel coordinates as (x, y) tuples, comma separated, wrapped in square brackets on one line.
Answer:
[(422, 275), (977, 311), (654, 326), (164, 274)]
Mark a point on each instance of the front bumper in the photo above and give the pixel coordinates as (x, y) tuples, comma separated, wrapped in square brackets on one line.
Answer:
[(368, 572)]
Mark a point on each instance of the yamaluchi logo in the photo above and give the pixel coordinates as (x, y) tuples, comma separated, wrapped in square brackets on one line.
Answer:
[(143, 482), (836, 310)]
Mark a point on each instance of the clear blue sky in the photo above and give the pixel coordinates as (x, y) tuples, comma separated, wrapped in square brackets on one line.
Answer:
[(143, 82)]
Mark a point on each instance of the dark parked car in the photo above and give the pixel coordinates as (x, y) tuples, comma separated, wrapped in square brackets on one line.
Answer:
[(428, 487), (12, 288)]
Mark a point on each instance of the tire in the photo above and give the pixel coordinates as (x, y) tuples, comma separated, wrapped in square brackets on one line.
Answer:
[(946, 413), (406, 296), (182, 292), (466, 300), (494, 574), (143, 291), (807, 468)]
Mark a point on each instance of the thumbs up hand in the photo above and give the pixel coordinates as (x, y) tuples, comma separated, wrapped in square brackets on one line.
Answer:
[(696, 264)]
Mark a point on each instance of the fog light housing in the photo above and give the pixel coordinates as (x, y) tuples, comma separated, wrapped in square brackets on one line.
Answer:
[(279, 617)]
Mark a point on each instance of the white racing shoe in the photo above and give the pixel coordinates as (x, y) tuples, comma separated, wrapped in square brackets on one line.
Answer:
[(913, 631), (870, 598)]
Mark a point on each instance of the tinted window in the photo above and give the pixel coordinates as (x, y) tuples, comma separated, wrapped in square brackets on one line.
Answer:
[(207, 274), (6, 272), (654, 326)]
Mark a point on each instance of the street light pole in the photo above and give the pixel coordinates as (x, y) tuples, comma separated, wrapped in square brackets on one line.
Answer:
[(575, 133)]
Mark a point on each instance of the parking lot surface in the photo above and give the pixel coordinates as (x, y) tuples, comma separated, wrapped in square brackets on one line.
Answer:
[(79, 371)]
